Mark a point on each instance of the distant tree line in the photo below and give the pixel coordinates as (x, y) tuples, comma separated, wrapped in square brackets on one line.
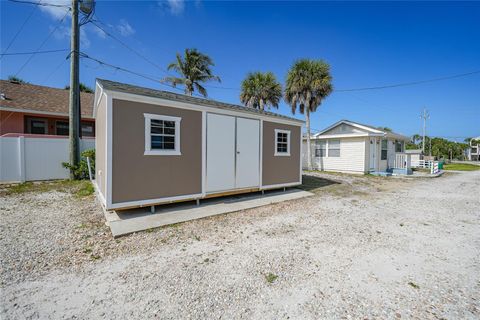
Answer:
[(439, 147)]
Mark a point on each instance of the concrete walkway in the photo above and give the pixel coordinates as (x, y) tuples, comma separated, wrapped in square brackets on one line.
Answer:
[(129, 221)]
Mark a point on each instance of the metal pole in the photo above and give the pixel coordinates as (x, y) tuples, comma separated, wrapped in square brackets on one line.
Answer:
[(74, 99)]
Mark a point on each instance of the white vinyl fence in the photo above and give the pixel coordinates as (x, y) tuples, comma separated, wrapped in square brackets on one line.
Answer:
[(31, 158)]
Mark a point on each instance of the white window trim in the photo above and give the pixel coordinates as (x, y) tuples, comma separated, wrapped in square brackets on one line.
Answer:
[(339, 148), (282, 154), (148, 137), (327, 149)]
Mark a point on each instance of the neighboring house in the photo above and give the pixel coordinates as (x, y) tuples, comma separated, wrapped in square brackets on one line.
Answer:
[(156, 147), (473, 152), (31, 109), (347, 146)]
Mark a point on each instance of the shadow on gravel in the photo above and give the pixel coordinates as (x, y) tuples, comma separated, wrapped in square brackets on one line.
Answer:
[(311, 183)]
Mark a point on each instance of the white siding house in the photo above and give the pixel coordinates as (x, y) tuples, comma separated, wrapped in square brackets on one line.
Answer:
[(347, 146)]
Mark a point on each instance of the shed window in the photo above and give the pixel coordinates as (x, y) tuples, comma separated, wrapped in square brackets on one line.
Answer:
[(321, 149), (384, 149), (334, 148), (282, 142), (162, 135)]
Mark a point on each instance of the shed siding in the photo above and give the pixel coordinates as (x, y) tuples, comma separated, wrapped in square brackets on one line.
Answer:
[(352, 157), (100, 145), (280, 169), (136, 176)]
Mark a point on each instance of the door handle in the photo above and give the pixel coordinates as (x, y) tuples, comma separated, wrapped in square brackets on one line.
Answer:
[(238, 152)]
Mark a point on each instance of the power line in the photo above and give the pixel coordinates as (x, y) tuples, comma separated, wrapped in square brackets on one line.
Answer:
[(94, 22), (55, 70), (41, 4), (381, 87), (32, 52), (411, 83), (148, 77), (19, 30), (43, 43)]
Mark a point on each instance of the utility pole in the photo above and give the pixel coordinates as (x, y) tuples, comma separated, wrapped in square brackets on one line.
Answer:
[(74, 99), (425, 115)]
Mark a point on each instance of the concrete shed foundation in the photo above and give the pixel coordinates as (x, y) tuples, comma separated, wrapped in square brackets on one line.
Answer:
[(134, 220)]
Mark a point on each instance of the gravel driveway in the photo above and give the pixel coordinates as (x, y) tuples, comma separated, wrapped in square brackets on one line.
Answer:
[(361, 248)]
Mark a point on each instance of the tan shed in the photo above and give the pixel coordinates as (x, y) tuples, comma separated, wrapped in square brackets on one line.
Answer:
[(155, 147)]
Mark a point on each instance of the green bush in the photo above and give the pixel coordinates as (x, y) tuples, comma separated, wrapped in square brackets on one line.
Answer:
[(81, 171)]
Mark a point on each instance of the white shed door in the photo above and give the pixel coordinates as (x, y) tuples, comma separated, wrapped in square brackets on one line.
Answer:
[(248, 153), (220, 152)]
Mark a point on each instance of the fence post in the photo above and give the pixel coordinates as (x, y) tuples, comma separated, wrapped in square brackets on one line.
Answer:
[(21, 158)]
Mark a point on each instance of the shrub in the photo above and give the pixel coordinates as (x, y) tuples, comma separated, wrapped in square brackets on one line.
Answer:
[(81, 170)]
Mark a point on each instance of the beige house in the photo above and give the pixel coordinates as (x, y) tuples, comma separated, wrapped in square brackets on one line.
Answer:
[(157, 147), (347, 146)]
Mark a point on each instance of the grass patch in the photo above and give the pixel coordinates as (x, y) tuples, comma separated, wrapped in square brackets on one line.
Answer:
[(85, 189), (270, 277), (461, 167), (80, 188)]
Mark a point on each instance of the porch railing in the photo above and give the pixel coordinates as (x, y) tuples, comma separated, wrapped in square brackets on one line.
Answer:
[(422, 164), (401, 161)]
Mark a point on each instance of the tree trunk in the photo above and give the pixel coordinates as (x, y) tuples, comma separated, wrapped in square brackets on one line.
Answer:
[(261, 104), (309, 149)]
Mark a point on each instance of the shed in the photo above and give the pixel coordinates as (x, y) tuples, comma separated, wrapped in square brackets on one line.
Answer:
[(416, 155), (156, 147)]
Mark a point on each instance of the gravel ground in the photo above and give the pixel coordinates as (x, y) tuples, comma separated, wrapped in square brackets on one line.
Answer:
[(362, 247)]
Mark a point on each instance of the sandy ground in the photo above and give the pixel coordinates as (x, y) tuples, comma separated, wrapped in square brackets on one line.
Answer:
[(361, 248)]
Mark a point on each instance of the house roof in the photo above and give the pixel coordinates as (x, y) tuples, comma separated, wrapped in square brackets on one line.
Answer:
[(370, 130), (142, 91), (31, 98)]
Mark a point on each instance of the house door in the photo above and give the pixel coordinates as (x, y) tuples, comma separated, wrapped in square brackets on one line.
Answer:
[(373, 155), (233, 153)]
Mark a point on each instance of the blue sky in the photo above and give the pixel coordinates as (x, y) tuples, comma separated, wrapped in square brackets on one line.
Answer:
[(367, 44)]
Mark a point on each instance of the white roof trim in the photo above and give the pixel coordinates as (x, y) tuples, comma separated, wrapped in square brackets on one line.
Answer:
[(346, 135), (353, 124)]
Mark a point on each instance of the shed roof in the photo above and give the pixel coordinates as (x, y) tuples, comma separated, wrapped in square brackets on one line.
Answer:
[(26, 97), (142, 91)]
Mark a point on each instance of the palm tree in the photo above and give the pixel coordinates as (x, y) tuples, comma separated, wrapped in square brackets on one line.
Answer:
[(260, 90), (308, 83), (194, 68)]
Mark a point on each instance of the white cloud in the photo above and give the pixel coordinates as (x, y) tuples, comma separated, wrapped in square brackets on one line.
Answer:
[(99, 32), (55, 12), (125, 28), (63, 33), (175, 7)]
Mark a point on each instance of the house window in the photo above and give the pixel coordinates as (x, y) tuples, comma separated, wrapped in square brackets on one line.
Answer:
[(37, 126), (162, 135), (321, 149), (384, 149), (87, 129), (334, 148), (282, 142), (61, 128), (398, 146)]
